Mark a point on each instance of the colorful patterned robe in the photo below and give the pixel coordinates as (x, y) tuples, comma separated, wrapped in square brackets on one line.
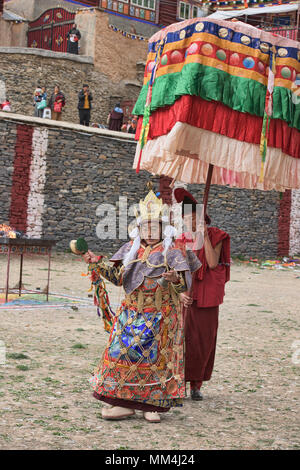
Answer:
[(143, 361)]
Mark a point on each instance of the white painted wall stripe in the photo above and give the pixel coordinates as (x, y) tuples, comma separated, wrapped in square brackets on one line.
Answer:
[(2, 91), (37, 180), (295, 223)]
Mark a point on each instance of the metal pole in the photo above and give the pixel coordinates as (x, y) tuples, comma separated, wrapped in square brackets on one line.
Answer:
[(21, 270), (7, 274), (297, 25), (49, 258)]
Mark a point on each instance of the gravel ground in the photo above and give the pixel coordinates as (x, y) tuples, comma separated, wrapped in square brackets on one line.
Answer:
[(251, 402)]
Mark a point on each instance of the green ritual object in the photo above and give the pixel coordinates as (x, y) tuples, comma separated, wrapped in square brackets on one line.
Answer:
[(79, 246), (101, 299)]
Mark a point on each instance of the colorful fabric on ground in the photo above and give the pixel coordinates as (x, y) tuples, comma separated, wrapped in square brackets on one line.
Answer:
[(225, 68), (143, 361), (29, 300)]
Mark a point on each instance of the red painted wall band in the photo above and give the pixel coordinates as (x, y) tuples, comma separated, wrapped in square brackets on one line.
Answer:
[(165, 189), (20, 179)]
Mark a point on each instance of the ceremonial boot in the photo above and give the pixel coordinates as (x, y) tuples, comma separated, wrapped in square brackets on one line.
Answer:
[(117, 412), (196, 394), (152, 416)]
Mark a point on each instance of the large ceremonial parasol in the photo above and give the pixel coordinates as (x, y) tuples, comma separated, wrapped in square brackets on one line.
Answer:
[(221, 104)]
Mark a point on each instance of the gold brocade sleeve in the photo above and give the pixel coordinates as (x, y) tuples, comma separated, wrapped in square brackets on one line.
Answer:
[(181, 285), (114, 274)]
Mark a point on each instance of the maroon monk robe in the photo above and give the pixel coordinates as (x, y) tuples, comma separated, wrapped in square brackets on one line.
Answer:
[(115, 121), (201, 321)]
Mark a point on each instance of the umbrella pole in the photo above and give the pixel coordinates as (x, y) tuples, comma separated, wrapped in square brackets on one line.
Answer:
[(207, 186), (205, 199)]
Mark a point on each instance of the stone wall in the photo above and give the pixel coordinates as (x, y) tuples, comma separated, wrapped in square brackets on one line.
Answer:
[(71, 170), (91, 170), (8, 133), (295, 223), (83, 169), (21, 73), (251, 216)]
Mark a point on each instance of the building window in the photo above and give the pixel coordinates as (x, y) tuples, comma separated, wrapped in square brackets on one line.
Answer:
[(184, 10), (149, 4), (109, 4), (281, 20)]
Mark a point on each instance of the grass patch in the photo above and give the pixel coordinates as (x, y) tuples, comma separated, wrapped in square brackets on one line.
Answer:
[(78, 346), (17, 356), (50, 380), (18, 378), (22, 367)]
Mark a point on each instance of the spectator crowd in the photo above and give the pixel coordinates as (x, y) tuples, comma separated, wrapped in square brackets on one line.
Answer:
[(51, 106)]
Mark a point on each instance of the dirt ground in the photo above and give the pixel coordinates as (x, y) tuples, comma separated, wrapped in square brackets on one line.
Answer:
[(251, 402)]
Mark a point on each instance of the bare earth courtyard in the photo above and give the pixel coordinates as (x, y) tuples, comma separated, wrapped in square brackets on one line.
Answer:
[(252, 401)]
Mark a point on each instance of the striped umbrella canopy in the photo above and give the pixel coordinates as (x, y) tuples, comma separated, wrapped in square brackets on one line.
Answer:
[(221, 95)]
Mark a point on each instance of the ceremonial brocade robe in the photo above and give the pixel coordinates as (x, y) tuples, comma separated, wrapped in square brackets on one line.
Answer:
[(143, 363)]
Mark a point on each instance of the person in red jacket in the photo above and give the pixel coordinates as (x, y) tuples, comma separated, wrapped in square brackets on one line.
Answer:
[(202, 303)]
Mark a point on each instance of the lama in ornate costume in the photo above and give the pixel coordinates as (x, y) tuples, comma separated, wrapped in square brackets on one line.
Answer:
[(142, 366)]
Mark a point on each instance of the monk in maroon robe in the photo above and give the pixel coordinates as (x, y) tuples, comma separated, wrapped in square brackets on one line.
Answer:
[(115, 118), (202, 303)]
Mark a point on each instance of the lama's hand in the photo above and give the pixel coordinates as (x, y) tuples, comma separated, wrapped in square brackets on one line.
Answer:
[(90, 257), (185, 299), (171, 276)]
